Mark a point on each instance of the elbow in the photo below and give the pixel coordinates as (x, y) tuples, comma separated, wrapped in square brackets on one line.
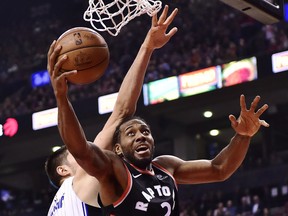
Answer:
[(125, 109), (225, 176), (222, 174)]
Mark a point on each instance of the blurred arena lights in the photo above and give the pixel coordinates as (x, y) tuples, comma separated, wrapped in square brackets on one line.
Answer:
[(208, 114), (214, 132)]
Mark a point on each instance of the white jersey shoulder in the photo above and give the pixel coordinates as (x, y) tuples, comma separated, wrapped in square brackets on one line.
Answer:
[(66, 202)]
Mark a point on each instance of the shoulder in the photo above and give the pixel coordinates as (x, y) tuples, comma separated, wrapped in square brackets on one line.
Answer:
[(67, 181), (169, 162)]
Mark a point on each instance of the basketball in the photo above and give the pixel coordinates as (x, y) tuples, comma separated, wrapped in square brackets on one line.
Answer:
[(87, 52)]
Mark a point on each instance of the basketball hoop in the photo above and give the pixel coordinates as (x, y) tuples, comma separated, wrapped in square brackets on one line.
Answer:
[(111, 17)]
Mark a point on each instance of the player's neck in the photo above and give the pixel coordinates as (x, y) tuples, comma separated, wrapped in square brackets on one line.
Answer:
[(147, 168)]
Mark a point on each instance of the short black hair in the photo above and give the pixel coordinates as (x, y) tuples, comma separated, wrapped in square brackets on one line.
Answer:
[(116, 135), (56, 159)]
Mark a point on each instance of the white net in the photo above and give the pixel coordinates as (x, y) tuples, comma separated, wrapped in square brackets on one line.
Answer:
[(112, 16)]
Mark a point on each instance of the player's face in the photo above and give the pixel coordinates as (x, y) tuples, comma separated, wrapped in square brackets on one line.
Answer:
[(137, 143)]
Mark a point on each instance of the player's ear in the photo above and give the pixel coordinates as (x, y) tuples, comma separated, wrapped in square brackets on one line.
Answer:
[(63, 170), (118, 149)]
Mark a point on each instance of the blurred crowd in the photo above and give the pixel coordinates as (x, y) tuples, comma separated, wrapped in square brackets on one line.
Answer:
[(245, 205), (25, 42), (202, 40)]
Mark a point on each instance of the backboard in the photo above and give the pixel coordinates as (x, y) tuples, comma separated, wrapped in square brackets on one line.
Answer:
[(265, 11)]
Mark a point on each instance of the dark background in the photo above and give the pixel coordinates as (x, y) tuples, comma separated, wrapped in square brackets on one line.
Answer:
[(22, 156)]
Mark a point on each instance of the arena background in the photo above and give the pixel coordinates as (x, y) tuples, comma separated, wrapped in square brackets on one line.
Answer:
[(210, 34)]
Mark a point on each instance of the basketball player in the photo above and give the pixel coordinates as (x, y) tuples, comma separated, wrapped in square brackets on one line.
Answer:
[(131, 181), (78, 191), (70, 198)]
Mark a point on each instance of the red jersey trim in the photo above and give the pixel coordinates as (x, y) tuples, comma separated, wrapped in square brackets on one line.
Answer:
[(127, 190), (142, 170)]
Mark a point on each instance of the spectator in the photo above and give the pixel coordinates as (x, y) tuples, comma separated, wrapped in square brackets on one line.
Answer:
[(220, 210), (231, 208), (257, 206), (244, 208)]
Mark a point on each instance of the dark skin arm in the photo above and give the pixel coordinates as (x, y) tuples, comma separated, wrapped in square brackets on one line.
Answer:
[(229, 159), (106, 166)]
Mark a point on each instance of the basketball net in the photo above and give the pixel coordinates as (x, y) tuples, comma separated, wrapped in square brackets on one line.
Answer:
[(111, 17)]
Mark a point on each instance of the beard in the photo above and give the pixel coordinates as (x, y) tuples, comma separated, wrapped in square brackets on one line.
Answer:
[(142, 163)]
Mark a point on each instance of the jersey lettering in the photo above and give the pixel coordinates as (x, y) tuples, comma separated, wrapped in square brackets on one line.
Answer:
[(168, 206), (151, 195), (151, 192), (144, 206), (141, 206), (159, 190), (58, 204), (147, 196)]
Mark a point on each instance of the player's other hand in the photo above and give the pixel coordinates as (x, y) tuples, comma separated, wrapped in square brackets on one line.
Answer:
[(249, 122), (157, 36)]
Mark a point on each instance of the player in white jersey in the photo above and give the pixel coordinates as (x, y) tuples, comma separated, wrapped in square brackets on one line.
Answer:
[(66, 202), (61, 165)]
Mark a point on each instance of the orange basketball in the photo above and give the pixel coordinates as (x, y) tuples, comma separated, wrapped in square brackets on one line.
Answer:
[(87, 52)]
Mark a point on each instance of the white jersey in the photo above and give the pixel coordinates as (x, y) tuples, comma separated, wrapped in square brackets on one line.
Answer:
[(67, 203)]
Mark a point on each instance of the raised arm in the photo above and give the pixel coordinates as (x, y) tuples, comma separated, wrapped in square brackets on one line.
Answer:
[(230, 158), (131, 86), (69, 127), (72, 134)]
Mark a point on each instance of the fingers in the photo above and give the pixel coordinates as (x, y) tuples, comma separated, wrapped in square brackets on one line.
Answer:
[(262, 110), (68, 74), (163, 16), (163, 20), (52, 58), (233, 120), (171, 17), (264, 123), (172, 32), (154, 20), (59, 64), (53, 53), (51, 49), (242, 102), (253, 107), (255, 103)]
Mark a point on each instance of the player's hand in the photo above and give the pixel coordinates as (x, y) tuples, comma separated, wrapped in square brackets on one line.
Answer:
[(157, 36), (57, 78), (249, 121)]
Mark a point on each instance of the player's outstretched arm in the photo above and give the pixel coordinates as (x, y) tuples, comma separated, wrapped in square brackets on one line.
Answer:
[(131, 86), (230, 158), (69, 127), (245, 127)]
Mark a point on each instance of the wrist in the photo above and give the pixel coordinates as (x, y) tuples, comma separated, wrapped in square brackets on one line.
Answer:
[(61, 98), (243, 136), (147, 47), (147, 44)]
